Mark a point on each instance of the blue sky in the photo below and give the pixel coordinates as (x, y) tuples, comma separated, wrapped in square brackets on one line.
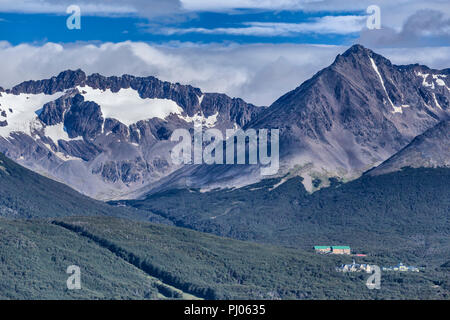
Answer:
[(19, 28), (406, 23), (253, 49)]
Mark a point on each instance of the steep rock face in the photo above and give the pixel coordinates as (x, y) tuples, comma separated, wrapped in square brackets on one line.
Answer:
[(52, 112), (106, 136), (346, 119), (428, 150), (83, 119)]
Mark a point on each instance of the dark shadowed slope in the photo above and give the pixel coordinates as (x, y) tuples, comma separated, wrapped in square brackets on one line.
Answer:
[(26, 194), (218, 268), (430, 149)]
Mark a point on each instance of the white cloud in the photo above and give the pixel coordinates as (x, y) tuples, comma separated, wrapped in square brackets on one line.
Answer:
[(145, 8), (221, 5), (59, 7), (120, 6), (423, 28), (323, 25), (394, 13), (259, 73)]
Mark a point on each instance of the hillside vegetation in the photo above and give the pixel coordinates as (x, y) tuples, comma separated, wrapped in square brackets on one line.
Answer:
[(125, 259), (34, 256), (392, 218), (403, 214)]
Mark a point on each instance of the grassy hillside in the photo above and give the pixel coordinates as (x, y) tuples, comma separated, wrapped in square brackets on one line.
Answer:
[(25, 194), (126, 259)]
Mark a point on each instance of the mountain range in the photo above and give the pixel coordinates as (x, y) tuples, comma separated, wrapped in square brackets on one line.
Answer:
[(108, 137), (364, 154), (345, 120)]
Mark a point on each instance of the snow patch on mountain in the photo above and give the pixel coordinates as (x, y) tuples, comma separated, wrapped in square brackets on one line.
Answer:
[(200, 99), (396, 109), (424, 81), (57, 132), (66, 157), (439, 81), (60, 155), (127, 106), (200, 119), (436, 102), (24, 106)]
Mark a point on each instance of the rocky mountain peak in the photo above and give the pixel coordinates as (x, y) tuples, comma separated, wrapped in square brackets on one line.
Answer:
[(359, 51), (354, 114), (64, 80), (357, 56), (356, 50)]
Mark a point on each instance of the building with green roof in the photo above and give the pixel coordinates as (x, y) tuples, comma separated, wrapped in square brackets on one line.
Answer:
[(322, 249)]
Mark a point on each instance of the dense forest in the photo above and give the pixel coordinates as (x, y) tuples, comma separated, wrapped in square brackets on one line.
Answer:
[(403, 214), (120, 258)]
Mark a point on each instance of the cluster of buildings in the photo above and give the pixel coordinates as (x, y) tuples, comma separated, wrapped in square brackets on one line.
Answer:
[(401, 267), (333, 249), (355, 267)]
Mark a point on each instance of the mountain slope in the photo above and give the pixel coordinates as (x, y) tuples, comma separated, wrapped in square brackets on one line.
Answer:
[(35, 255), (346, 119), (359, 110), (126, 259), (26, 194), (430, 149), (105, 136)]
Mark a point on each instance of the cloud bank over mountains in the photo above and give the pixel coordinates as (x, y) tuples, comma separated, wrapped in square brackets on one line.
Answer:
[(256, 73), (259, 71)]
